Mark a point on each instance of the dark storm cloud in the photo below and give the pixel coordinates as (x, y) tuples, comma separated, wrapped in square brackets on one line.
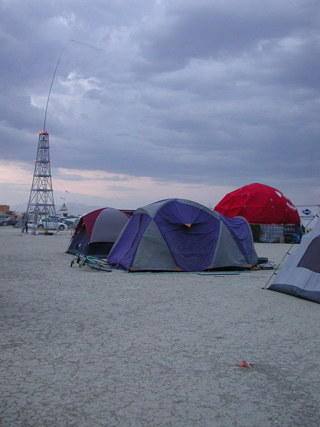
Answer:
[(212, 30), (206, 91)]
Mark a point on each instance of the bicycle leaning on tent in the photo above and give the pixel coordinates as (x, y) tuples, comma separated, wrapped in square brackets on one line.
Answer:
[(90, 261)]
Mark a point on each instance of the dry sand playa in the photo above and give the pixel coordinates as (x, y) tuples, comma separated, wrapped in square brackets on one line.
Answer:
[(86, 348)]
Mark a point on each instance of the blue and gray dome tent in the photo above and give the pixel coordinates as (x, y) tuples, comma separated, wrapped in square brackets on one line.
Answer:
[(300, 276), (182, 235)]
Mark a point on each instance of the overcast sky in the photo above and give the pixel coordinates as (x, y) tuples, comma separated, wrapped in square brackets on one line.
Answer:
[(172, 98)]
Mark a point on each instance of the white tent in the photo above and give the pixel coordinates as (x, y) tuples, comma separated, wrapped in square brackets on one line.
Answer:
[(300, 276)]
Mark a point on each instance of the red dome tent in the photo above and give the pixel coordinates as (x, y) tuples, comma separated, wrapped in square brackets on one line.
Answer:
[(260, 204)]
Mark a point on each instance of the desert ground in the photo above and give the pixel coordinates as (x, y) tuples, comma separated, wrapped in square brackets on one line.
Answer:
[(81, 347)]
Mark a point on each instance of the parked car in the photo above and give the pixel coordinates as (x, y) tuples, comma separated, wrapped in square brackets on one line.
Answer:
[(69, 222), (47, 224), (11, 220)]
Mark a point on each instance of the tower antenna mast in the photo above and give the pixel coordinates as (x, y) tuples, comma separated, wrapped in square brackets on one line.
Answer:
[(41, 201)]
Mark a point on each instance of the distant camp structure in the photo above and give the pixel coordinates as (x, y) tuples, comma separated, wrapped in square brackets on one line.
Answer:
[(182, 235), (272, 216), (63, 211), (97, 231), (300, 276)]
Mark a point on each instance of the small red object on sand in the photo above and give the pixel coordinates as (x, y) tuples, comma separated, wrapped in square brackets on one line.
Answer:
[(245, 364)]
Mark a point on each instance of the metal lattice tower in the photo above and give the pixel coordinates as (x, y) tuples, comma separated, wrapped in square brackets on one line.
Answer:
[(41, 201)]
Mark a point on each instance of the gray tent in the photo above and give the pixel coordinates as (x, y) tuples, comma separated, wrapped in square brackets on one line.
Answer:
[(97, 231), (300, 276)]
